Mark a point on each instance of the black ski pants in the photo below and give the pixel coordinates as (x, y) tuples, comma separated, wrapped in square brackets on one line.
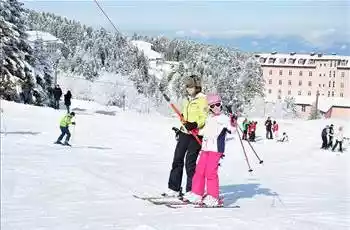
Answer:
[(269, 134), (187, 147), (340, 146), (324, 142)]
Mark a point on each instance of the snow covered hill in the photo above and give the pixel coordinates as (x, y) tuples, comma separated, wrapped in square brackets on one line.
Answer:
[(90, 186)]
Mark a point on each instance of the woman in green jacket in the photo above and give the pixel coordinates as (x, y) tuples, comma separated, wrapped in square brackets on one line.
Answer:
[(194, 111)]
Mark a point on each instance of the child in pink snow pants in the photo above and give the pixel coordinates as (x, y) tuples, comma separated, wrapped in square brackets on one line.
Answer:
[(213, 146)]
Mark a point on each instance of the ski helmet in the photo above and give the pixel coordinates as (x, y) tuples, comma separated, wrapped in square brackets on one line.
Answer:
[(214, 102), (193, 81), (213, 99)]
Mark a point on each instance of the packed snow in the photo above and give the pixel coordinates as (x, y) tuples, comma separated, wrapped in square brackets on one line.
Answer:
[(90, 185)]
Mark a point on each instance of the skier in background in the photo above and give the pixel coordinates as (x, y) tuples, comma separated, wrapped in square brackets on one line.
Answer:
[(284, 138), (275, 129), (245, 125), (252, 130), (67, 100), (330, 136), (213, 148), (64, 127), (339, 137), (324, 137), (268, 125), (195, 112), (57, 93)]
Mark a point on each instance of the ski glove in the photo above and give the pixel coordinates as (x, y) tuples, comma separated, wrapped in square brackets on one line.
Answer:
[(177, 133), (227, 130), (191, 125), (73, 123)]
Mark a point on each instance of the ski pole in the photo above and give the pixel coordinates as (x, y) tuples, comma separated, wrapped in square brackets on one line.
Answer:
[(245, 154), (177, 111), (250, 144), (240, 139)]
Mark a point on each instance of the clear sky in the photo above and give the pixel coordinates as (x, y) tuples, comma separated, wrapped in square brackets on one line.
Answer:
[(316, 21)]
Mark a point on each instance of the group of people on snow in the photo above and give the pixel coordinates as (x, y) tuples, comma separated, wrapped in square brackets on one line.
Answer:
[(328, 136), (249, 129), (271, 128), (66, 120), (56, 93)]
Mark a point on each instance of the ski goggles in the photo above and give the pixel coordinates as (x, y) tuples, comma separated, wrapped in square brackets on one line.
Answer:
[(212, 106)]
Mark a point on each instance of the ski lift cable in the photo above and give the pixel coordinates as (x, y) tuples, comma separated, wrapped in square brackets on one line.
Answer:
[(106, 15)]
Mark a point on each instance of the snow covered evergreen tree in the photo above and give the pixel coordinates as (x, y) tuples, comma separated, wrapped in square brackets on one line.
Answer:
[(17, 59)]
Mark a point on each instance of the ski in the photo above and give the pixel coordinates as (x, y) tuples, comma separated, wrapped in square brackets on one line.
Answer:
[(155, 197), (162, 200), (189, 205)]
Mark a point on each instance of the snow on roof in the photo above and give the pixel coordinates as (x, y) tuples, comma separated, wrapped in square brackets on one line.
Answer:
[(45, 36), (146, 47), (324, 103), (306, 57)]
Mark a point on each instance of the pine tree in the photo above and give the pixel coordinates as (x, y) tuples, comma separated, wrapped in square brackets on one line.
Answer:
[(17, 59)]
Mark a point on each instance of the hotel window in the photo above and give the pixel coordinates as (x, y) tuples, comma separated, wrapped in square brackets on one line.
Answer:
[(333, 73), (279, 91), (289, 82), (281, 72), (342, 85), (310, 74), (310, 83), (271, 60), (270, 91), (279, 97), (299, 92), (270, 81), (319, 85), (342, 74), (341, 95), (282, 60), (333, 84), (331, 64), (280, 82), (330, 73), (300, 73), (332, 93), (329, 94), (270, 72), (303, 108), (290, 72), (300, 83), (289, 92), (309, 93), (291, 61), (301, 61), (335, 63), (262, 60), (329, 84), (311, 61)]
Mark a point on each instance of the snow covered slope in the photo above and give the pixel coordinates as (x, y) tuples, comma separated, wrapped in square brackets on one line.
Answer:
[(90, 186)]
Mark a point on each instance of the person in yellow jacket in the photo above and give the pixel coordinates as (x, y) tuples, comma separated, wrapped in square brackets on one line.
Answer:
[(195, 112), (64, 126)]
